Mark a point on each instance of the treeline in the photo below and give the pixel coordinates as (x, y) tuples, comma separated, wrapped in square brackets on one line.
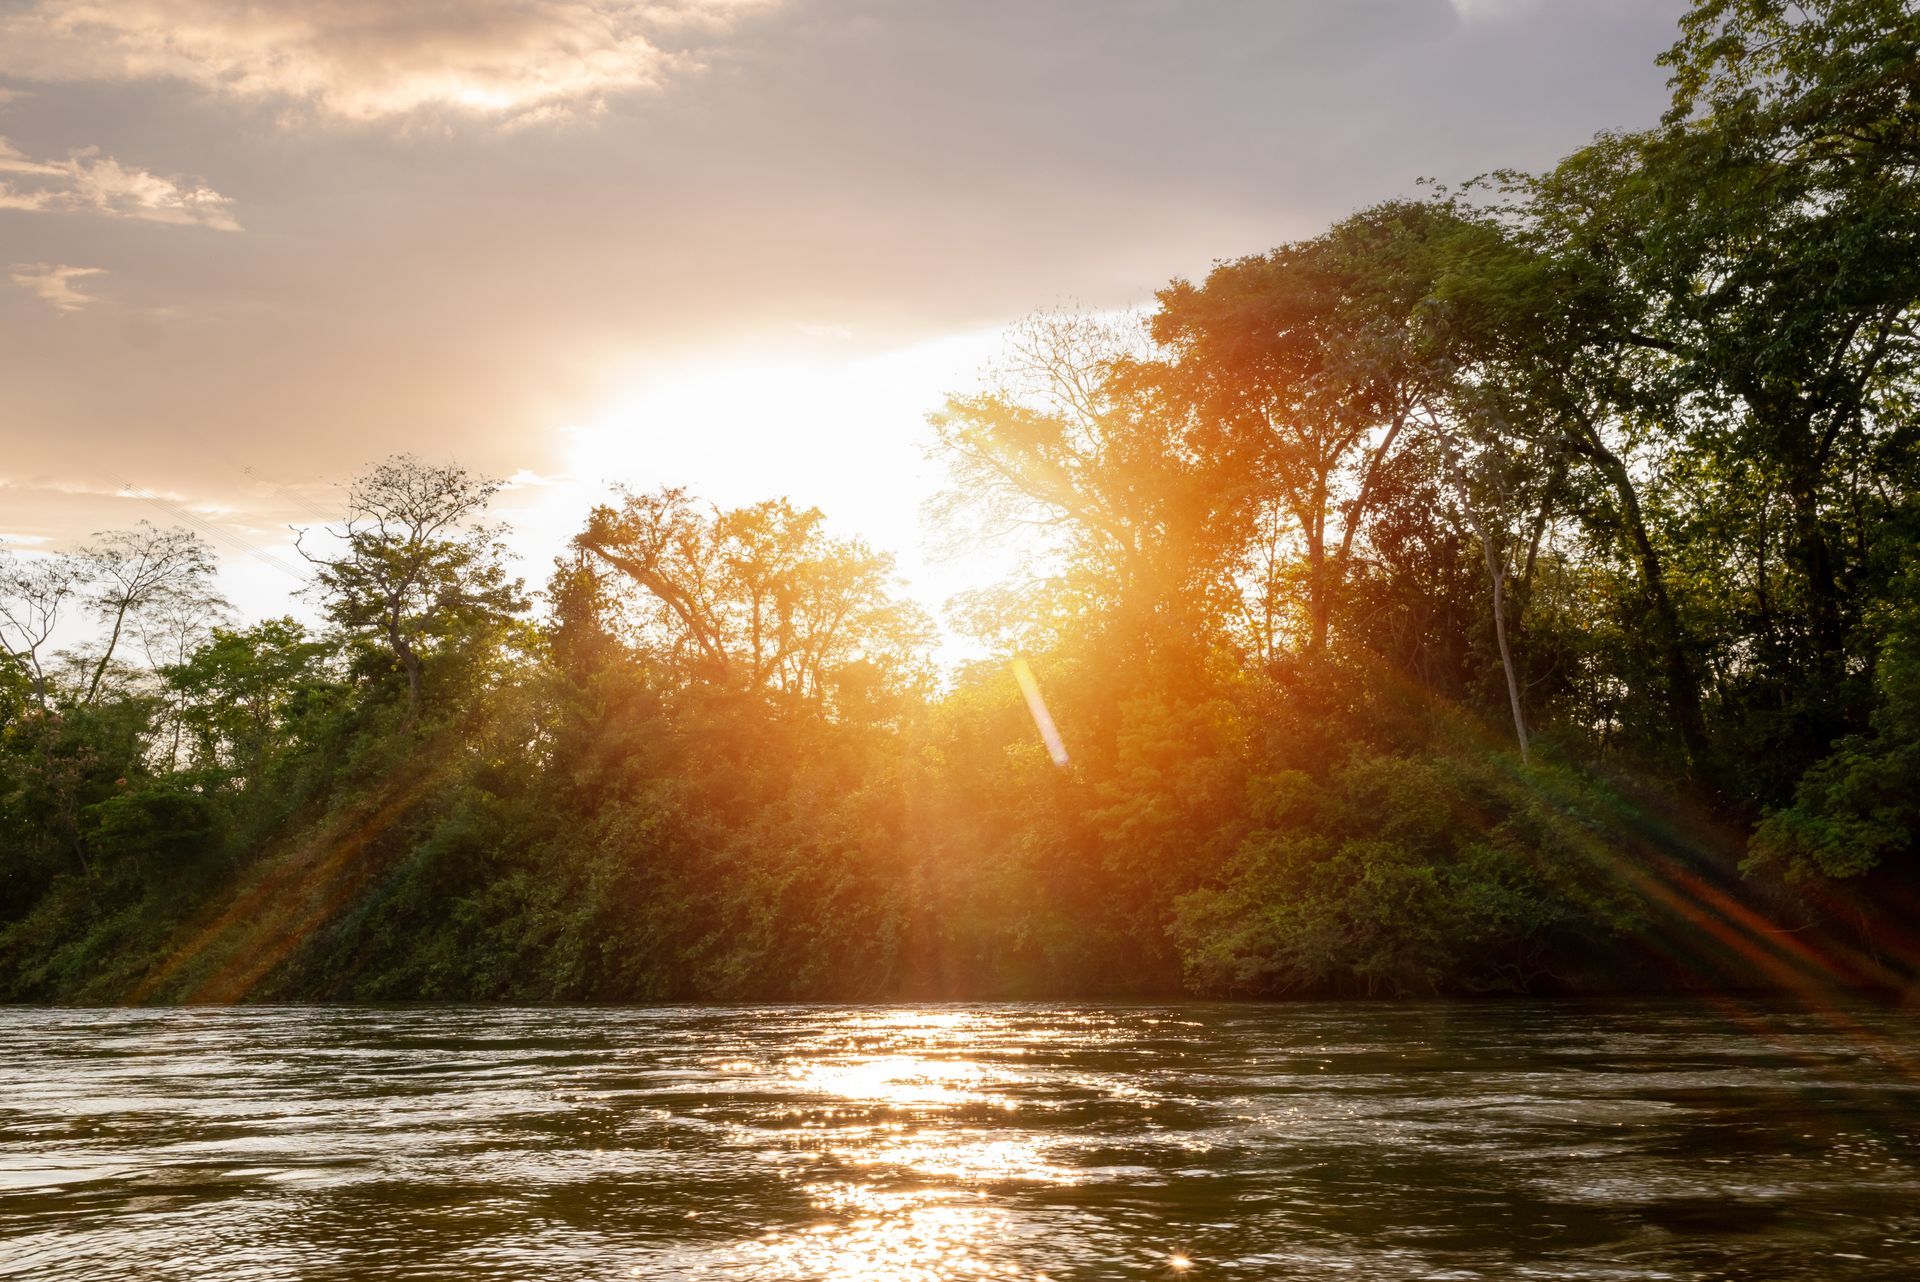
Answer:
[(1513, 589)]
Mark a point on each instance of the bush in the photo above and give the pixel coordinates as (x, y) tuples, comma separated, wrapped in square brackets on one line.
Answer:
[(1402, 876)]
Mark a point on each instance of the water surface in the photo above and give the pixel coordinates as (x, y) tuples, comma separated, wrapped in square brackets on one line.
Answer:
[(960, 1142)]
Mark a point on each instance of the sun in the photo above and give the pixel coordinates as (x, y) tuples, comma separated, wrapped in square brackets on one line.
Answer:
[(838, 429)]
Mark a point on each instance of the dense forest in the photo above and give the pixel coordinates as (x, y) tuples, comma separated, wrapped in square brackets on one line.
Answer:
[(1512, 589)]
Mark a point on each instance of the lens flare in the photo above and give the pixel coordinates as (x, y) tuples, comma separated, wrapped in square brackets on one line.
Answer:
[(1042, 719)]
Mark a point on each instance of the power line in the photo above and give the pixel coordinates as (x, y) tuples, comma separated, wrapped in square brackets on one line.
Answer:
[(213, 531), (280, 492)]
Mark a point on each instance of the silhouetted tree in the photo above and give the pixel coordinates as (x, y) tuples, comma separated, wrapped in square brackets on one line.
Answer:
[(416, 566)]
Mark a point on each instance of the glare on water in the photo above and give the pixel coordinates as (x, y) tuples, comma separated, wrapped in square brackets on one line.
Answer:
[(1045, 1143)]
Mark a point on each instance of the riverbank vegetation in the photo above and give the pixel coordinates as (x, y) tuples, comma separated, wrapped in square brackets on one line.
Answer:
[(1510, 589)]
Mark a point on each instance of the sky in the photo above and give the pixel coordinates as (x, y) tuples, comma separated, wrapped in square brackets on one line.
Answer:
[(744, 246)]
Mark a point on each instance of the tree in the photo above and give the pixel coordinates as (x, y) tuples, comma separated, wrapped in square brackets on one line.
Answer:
[(1311, 362), (1077, 450), (32, 595), (1762, 248), (237, 690), (1477, 490), (1541, 321), (416, 569), (760, 598), (135, 573)]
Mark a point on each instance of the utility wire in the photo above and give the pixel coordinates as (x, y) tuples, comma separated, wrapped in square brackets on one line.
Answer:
[(213, 531), (280, 492)]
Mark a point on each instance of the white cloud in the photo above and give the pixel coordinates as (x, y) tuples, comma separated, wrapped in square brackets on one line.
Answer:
[(90, 182), (365, 60), (52, 283)]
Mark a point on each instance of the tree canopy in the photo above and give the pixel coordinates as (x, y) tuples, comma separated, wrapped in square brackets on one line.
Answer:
[(1510, 588)]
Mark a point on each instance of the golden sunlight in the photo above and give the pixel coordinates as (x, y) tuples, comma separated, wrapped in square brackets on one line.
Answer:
[(826, 429), (528, 529), (1037, 708)]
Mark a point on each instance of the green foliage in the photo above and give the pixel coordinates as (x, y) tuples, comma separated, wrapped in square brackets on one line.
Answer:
[(1859, 809), (162, 824), (1402, 876), (416, 574), (16, 692), (1617, 464), (239, 691)]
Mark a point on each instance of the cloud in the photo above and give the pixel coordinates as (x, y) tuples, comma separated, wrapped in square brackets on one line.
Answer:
[(367, 60), (52, 283), (90, 182)]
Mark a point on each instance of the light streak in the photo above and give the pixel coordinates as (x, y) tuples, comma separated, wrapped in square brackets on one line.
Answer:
[(1042, 719)]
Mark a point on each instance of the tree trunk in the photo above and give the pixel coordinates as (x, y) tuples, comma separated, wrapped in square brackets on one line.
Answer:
[(1683, 687), (1497, 575), (1497, 578), (100, 668), (1816, 562), (1319, 606), (409, 662)]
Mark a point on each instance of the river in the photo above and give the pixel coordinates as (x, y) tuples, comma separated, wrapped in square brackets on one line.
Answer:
[(1503, 1140)]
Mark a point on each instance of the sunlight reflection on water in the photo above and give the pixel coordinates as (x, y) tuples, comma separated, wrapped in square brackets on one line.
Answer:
[(976, 1142)]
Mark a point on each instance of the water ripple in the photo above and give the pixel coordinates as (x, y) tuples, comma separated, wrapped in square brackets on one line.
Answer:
[(959, 1142)]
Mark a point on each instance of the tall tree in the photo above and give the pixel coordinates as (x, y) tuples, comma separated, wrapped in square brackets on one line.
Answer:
[(1310, 362), (132, 573), (236, 691), (1077, 455), (760, 598), (1539, 336), (1763, 246), (416, 567), (33, 593)]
